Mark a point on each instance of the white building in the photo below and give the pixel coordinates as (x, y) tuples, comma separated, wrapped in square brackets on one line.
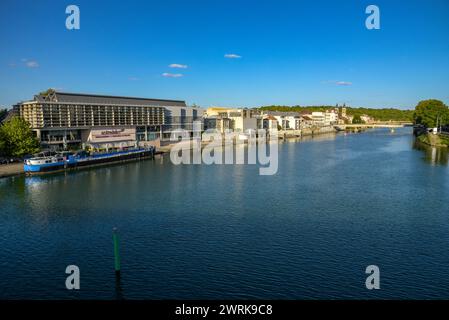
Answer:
[(326, 118), (319, 118), (331, 117), (287, 120), (366, 119)]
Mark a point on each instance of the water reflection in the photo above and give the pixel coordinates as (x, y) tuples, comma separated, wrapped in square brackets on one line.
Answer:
[(433, 155)]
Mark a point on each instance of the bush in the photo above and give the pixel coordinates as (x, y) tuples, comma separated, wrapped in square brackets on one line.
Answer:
[(17, 138)]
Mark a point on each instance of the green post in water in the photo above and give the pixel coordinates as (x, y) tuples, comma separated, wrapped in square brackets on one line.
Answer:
[(116, 251)]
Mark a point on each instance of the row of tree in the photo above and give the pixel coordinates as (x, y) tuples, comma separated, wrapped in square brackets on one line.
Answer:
[(17, 139)]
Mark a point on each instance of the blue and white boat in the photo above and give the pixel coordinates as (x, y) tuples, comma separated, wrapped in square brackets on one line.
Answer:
[(50, 162)]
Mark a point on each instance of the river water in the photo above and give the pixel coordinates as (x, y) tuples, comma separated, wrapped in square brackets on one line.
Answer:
[(337, 204)]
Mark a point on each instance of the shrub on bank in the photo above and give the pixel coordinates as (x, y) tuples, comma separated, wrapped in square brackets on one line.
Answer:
[(17, 138)]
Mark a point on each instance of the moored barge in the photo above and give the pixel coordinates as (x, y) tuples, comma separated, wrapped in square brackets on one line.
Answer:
[(65, 160)]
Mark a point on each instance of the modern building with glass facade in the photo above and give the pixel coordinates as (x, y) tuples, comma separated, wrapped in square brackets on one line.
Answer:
[(71, 120)]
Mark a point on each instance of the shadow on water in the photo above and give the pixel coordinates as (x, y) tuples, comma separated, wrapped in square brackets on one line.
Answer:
[(432, 155)]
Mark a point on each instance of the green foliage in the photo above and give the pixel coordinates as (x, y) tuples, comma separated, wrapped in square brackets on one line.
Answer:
[(47, 92), (385, 114), (2, 143), (357, 120), (17, 138), (424, 138), (444, 140), (434, 140), (428, 111)]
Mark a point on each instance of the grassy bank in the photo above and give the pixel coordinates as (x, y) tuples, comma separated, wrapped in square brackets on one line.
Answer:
[(434, 140)]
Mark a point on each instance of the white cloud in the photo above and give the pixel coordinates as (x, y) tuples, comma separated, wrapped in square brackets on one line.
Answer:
[(177, 65), (232, 56), (172, 75), (338, 83), (30, 63), (343, 83), (24, 62)]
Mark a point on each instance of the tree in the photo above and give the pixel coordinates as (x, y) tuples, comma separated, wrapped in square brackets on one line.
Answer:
[(18, 139), (2, 143), (47, 92), (427, 112), (357, 120)]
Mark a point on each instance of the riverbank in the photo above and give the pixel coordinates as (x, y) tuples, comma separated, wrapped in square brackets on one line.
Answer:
[(17, 168), (434, 140), (13, 169)]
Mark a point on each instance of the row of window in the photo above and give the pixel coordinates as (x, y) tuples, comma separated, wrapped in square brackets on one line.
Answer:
[(77, 116)]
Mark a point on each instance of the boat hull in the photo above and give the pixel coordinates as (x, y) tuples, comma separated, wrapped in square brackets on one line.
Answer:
[(87, 162), (34, 168)]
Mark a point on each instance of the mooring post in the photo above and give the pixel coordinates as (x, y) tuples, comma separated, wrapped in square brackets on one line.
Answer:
[(116, 251)]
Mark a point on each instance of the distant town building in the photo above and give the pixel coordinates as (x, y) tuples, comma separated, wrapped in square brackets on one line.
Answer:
[(319, 118), (286, 120), (270, 123), (221, 124), (344, 117), (307, 121), (366, 119), (331, 117), (325, 118), (240, 120)]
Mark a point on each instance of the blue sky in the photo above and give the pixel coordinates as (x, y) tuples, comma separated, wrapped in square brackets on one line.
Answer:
[(291, 52)]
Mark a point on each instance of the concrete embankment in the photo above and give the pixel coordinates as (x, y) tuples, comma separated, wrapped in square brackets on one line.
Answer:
[(283, 134), (306, 132), (13, 169), (319, 130)]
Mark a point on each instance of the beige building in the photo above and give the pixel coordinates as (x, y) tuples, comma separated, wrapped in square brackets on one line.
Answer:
[(238, 120), (270, 123)]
